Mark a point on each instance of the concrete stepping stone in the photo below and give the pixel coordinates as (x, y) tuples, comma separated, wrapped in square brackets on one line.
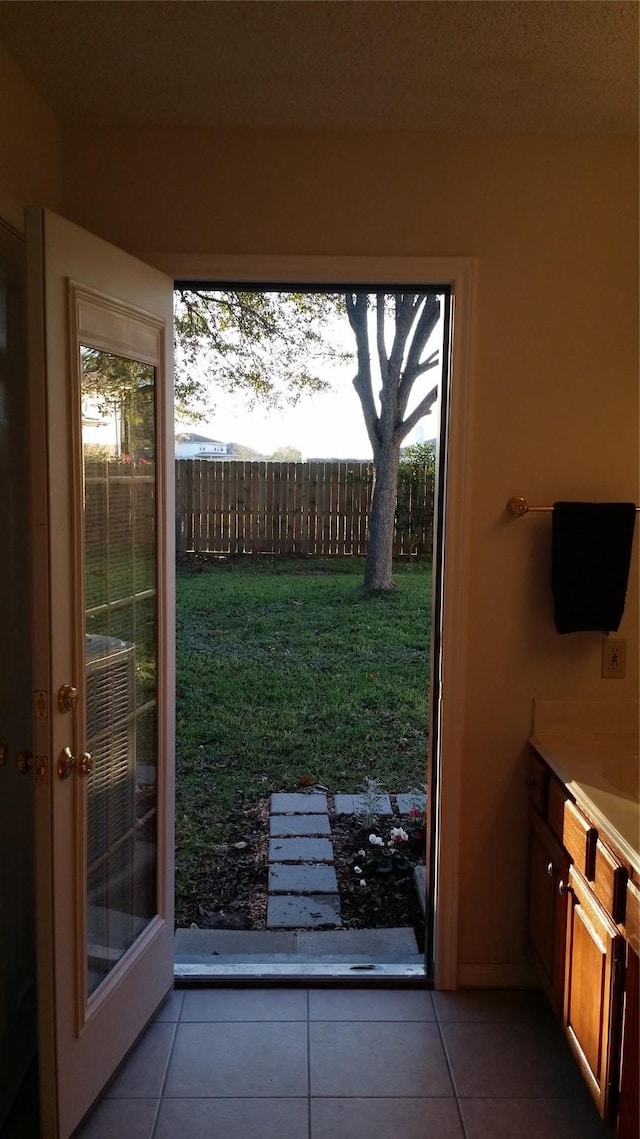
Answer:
[(299, 803), (303, 888), (300, 850), (303, 911), (320, 879), (281, 826), (408, 802), (354, 804)]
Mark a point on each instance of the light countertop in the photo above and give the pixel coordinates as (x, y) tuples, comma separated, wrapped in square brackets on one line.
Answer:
[(593, 748)]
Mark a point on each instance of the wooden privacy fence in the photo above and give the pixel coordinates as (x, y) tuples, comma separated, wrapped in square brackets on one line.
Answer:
[(235, 507)]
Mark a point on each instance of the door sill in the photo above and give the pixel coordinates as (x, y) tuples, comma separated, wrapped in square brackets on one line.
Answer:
[(195, 973)]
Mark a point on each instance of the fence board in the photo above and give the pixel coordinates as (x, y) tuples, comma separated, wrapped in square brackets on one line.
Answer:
[(243, 506), (189, 516), (299, 508), (291, 508), (319, 508)]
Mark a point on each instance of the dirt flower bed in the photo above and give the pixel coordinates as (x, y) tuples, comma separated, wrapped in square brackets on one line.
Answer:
[(375, 880), (229, 888), (379, 903)]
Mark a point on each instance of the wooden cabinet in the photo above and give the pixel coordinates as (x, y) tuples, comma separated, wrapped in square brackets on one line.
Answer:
[(584, 909), (629, 1102), (549, 865)]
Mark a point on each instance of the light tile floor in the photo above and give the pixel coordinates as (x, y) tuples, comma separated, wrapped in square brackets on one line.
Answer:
[(348, 1064)]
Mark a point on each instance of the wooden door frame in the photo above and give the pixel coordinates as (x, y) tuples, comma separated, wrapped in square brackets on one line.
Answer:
[(18, 1017), (459, 273)]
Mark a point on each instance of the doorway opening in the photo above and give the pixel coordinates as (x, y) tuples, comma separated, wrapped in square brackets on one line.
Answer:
[(306, 710)]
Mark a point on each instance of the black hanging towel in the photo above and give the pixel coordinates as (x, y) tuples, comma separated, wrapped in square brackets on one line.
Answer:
[(590, 558)]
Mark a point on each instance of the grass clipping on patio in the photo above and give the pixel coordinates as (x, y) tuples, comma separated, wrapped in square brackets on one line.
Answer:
[(288, 676)]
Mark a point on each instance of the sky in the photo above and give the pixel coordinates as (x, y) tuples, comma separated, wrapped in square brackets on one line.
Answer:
[(326, 424)]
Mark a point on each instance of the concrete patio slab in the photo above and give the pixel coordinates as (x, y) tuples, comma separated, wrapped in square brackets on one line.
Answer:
[(217, 941), (408, 801), (297, 825), (315, 803), (320, 879), (303, 911), (354, 804), (300, 850)]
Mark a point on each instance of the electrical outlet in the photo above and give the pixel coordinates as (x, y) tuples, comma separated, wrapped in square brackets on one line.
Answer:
[(614, 658)]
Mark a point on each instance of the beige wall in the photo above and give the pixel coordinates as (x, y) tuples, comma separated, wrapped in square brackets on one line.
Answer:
[(30, 154), (552, 222)]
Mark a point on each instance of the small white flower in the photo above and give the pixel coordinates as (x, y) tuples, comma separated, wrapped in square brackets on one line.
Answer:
[(375, 840), (357, 870), (362, 853), (398, 834), (363, 882)]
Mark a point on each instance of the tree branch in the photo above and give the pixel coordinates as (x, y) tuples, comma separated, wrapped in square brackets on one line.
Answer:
[(418, 412), (409, 378), (414, 367), (382, 348), (426, 323), (357, 311)]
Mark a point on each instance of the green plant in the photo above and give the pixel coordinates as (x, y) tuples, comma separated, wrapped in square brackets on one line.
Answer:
[(414, 506), (383, 858), (368, 804), (415, 822)]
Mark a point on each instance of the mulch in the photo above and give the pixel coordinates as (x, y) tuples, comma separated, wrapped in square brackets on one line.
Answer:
[(232, 880)]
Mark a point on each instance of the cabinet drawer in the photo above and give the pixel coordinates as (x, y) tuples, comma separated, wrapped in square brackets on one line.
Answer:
[(609, 882), (579, 839), (632, 917)]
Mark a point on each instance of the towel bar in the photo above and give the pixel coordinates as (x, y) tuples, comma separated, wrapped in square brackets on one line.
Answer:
[(517, 506)]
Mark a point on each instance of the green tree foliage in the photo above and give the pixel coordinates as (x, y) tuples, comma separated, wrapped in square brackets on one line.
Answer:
[(270, 345), (274, 345), (125, 389), (286, 455), (417, 459), (414, 509)]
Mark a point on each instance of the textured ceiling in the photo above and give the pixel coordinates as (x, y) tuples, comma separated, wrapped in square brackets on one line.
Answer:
[(543, 66)]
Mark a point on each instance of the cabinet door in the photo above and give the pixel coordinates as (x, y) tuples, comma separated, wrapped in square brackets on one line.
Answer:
[(593, 992), (547, 908)]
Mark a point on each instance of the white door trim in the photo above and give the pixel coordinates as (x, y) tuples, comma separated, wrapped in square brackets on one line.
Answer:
[(460, 274), (83, 1036)]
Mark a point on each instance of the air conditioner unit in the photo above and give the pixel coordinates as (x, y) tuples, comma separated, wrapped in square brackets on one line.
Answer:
[(111, 740), (121, 880)]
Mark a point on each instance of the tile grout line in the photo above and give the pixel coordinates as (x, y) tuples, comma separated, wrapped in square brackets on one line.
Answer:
[(166, 1071), (450, 1071)]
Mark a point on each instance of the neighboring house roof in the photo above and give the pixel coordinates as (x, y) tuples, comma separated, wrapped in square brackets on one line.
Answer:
[(193, 438)]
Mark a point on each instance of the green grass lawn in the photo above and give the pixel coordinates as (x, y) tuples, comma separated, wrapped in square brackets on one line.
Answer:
[(285, 671)]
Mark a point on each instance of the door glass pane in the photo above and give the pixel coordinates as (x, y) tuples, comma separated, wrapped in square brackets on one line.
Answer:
[(118, 445)]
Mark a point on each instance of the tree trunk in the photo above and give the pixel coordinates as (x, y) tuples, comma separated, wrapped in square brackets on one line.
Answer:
[(378, 573)]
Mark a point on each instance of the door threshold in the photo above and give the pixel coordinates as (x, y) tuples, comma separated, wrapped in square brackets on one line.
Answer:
[(189, 973)]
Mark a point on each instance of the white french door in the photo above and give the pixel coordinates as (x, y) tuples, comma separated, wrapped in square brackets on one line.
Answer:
[(100, 335)]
